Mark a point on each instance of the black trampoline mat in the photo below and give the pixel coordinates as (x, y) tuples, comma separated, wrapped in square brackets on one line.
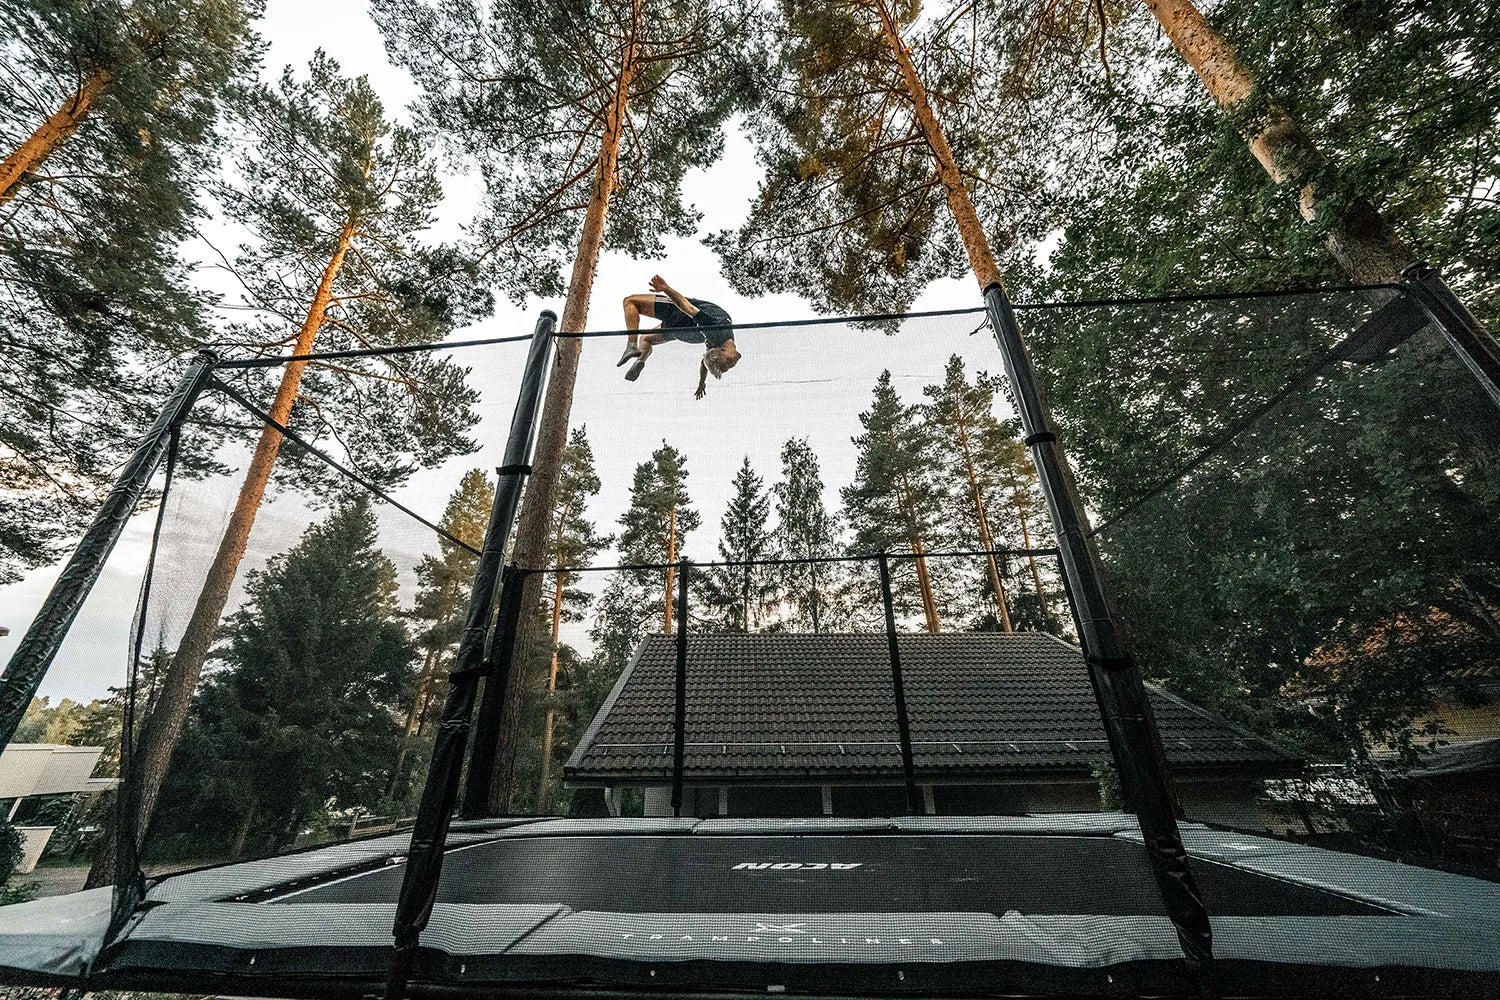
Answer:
[(832, 874)]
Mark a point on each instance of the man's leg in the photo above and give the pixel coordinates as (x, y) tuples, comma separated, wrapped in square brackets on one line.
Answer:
[(636, 306), (643, 351)]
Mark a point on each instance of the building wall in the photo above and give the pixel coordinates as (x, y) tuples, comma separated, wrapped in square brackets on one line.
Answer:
[(1233, 803)]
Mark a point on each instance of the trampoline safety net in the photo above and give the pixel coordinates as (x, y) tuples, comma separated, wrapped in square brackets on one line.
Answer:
[(788, 688)]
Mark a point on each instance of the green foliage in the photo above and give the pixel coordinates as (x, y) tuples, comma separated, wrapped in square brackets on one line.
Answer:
[(742, 598), (894, 503), (320, 167), (1111, 798), (525, 90), (805, 529), (11, 850), (94, 295), (851, 214), (301, 722)]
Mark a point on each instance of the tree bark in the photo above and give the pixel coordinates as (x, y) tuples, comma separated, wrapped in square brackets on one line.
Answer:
[(52, 133), (413, 718), (543, 793), (996, 586), (164, 725), (1367, 249), (552, 433), (970, 230), (671, 570), (1036, 574)]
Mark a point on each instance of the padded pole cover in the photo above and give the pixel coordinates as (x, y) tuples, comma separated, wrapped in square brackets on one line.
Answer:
[(1129, 722), (1470, 341), (34, 653), (429, 836)]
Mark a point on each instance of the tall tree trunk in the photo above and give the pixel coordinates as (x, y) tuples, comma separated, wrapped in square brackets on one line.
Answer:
[(1036, 574), (413, 719), (914, 539), (543, 792), (671, 569), (996, 586), (950, 175), (552, 433), (50, 134), (164, 725), (924, 583), (1366, 248)]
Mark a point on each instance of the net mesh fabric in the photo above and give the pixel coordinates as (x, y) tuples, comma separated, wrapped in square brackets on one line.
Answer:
[(1299, 547)]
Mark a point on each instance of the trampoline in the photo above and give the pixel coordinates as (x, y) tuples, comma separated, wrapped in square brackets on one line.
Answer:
[(1043, 901), (917, 905)]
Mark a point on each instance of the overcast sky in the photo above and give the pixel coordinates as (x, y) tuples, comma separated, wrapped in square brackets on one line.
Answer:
[(806, 382)]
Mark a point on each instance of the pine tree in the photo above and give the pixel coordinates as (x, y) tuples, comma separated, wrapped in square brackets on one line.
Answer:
[(336, 198), (741, 598), (894, 502), (304, 719), (875, 129), (657, 523), (806, 529), (584, 118), (575, 542), (960, 416), (107, 136), (443, 585)]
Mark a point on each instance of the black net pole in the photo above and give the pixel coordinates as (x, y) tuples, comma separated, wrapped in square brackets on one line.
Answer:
[(679, 709), (1129, 723), (1468, 339), (424, 859), (34, 653), (480, 778), (898, 687)]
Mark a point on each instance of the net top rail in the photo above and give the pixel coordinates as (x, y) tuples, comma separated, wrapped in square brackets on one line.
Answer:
[(370, 352)]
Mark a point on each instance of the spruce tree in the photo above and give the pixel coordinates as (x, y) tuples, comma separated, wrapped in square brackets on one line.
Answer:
[(336, 198), (806, 529), (584, 118), (742, 598), (443, 585), (305, 718), (107, 130), (880, 124), (894, 502), (960, 417), (575, 542), (656, 524)]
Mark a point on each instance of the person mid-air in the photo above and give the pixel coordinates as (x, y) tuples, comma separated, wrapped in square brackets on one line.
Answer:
[(691, 321)]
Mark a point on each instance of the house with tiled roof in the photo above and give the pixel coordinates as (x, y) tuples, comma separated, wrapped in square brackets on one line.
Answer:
[(805, 725)]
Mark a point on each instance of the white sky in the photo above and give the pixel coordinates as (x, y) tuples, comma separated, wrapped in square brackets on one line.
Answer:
[(808, 382)]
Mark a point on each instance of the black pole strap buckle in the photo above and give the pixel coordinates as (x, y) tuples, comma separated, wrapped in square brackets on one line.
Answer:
[(523, 469), (1040, 437)]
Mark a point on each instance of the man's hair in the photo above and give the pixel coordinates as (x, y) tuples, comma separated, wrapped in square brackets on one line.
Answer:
[(713, 360)]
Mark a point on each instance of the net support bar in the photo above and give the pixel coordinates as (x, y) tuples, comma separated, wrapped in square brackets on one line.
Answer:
[(34, 653), (898, 688), (1464, 334), (1129, 723), (679, 707), (424, 860), (487, 725)]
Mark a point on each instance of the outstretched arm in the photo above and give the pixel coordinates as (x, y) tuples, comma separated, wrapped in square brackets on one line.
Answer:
[(702, 380), (659, 284)]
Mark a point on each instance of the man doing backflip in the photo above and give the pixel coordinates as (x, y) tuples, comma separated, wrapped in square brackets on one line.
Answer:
[(690, 321)]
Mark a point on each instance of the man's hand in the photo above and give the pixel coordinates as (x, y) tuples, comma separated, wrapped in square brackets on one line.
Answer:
[(701, 390), (659, 284)]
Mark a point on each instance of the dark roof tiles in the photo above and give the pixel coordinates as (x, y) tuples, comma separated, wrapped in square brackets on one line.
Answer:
[(783, 705)]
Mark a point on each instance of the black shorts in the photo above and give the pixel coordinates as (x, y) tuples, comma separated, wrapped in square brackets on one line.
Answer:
[(677, 325)]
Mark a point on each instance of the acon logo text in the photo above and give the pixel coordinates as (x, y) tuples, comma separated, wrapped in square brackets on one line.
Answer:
[(794, 866)]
